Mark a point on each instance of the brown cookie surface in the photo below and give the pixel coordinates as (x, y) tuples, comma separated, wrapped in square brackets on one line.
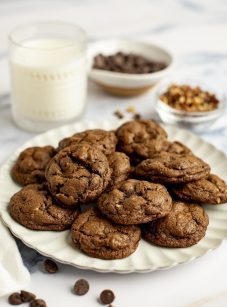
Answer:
[(185, 226), (211, 190), (31, 163), (104, 140), (178, 148), (100, 238), (141, 138), (34, 208), (120, 167), (78, 174), (135, 202), (172, 168)]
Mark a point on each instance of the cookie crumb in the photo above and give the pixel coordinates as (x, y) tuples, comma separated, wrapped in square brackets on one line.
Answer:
[(27, 296), (15, 299), (107, 296), (81, 287), (119, 114), (131, 109), (50, 266), (38, 303)]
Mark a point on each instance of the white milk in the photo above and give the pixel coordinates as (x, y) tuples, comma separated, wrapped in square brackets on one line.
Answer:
[(49, 80)]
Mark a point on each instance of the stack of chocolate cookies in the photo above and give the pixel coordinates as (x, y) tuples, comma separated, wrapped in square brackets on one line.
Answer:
[(136, 180)]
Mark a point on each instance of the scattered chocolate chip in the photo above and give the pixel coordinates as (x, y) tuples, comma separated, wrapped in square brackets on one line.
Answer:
[(107, 296), (15, 299), (50, 266), (38, 303), (136, 116), (81, 287), (119, 114), (27, 296)]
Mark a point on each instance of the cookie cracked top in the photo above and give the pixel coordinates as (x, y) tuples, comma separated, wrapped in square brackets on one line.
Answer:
[(31, 163), (78, 174), (140, 139), (104, 140), (172, 168), (100, 238), (185, 225), (120, 167), (34, 207), (135, 202), (178, 148), (211, 190)]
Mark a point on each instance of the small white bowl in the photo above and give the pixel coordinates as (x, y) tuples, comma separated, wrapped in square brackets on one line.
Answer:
[(195, 121), (124, 84)]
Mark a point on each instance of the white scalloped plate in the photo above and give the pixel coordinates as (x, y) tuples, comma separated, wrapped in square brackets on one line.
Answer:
[(58, 245)]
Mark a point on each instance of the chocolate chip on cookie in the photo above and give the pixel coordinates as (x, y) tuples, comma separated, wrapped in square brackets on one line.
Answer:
[(31, 163), (185, 226), (78, 174), (100, 238), (211, 190), (140, 139), (120, 167), (34, 208), (172, 168), (135, 202), (104, 140)]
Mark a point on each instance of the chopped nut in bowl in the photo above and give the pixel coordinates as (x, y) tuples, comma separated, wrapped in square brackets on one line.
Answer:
[(190, 104)]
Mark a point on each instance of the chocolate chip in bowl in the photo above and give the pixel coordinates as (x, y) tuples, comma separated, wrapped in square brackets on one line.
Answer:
[(189, 103), (127, 67), (129, 63)]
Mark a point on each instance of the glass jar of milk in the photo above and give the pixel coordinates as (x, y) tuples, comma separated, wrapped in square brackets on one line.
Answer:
[(48, 75)]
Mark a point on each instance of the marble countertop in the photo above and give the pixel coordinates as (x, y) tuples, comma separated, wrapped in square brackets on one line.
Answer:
[(195, 32)]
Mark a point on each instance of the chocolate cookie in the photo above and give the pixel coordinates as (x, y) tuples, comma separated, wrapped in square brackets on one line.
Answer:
[(172, 168), (211, 190), (78, 174), (135, 202), (34, 208), (31, 163), (120, 167), (178, 148), (185, 226), (104, 140), (140, 139), (100, 238)]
